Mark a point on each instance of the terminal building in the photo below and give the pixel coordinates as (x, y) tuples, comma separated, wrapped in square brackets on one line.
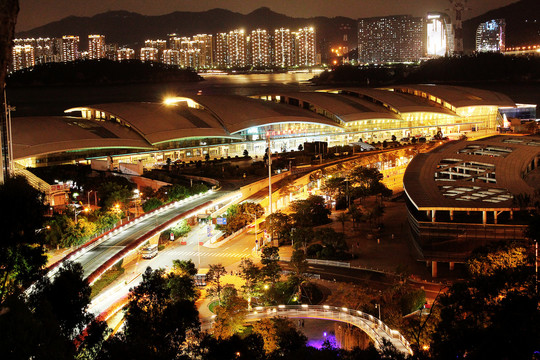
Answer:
[(466, 194), (190, 128)]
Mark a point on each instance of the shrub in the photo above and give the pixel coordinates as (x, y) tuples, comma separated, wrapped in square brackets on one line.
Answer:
[(314, 250)]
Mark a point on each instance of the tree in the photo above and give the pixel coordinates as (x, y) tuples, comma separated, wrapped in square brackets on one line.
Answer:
[(302, 237), (270, 266), (213, 276), (112, 193), (184, 268), (54, 321), (300, 147), (151, 204), (487, 261), (355, 214), (268, 332), (394, 138), (331, 238), (343, 218), (241, 215), (279, 226), (177, 192), (67, 297), (230, 316), (251, 274), (21, 253), (245, 153), (28, 335), (494, 314), (310, 212), (198, 189), (157, 323), (334, 187), (298, 277)]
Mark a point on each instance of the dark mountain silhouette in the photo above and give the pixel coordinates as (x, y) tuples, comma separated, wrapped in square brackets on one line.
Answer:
[(128, 28), (522, 24)]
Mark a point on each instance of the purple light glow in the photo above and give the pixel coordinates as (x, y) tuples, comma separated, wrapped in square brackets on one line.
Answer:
[(318, 343)]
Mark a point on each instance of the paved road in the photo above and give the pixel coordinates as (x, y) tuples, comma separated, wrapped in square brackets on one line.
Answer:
[(229, 255), (93, 259)]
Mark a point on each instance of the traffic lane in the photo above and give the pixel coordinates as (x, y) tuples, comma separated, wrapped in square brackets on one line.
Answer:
[(132, 276), (94, 258)]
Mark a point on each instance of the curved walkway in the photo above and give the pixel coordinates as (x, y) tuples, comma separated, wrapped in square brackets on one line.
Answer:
[(373, 327)]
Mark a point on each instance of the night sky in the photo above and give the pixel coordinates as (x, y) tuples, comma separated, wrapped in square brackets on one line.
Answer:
[(34, 13)]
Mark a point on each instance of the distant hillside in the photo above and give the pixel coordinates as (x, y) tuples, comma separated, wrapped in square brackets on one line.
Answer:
[(132, 29), (97, 72), (522, 24)]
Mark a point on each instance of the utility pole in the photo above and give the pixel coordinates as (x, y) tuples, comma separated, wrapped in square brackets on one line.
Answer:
[(269, 181), (269, 177)]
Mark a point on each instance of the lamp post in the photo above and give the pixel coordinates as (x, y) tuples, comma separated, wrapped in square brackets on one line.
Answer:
[(269, 179), (78, 212), (378, 306), (255, 219)]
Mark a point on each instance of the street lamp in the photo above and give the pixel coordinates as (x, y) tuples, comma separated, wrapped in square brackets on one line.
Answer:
[(37, 231), (255, 228), (378, 306), (80, 211), (95, 197)]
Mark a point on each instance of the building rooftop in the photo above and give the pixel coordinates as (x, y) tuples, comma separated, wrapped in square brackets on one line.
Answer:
[(473, 175), (33, 136)]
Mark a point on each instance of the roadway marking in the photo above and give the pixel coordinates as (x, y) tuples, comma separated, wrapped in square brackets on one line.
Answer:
[(208, 254)]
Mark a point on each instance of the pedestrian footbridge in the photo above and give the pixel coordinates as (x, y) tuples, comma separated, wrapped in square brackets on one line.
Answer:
[(372, 326)]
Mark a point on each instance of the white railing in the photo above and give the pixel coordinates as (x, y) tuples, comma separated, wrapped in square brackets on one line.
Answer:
[(373, 327)]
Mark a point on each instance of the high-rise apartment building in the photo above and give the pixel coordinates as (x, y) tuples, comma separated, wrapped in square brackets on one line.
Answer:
[(96, 46), (149, 54), (205, 45), (236, 46), (125, 54), (22, 57), (44, 49), (260, 54), (171, 57), (174, 41), (221, 53), (70, 48), (490, 36), (111, 51), (395, 38), (158, 44), (305, 47), (439, 35)]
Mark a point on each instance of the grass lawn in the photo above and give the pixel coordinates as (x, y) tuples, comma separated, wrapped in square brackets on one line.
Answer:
[(212, 305), (106, 279)]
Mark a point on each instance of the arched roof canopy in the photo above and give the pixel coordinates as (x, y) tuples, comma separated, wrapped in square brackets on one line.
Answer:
[(393, 101), (456, 96), (161, 122), (238, 113), (38, 136), (345, 108)]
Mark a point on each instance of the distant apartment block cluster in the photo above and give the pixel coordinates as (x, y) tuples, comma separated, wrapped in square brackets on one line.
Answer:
[(234, 49), (404, 38)]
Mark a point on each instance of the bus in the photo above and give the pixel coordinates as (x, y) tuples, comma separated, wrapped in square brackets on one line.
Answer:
[(149, 251), (200, 277)]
